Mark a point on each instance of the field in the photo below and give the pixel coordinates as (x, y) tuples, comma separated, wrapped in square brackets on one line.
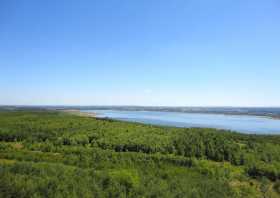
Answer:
[(58, 154)]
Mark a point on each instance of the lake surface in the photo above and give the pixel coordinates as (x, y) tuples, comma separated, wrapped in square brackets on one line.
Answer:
[(239, 123)]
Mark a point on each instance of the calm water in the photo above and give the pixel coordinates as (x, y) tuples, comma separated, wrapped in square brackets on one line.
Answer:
[(240, 123)]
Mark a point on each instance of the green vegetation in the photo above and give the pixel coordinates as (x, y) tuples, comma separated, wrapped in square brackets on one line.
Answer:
[(54, 154)]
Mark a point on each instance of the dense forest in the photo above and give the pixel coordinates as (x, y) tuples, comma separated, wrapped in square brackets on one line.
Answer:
[(58, 154)]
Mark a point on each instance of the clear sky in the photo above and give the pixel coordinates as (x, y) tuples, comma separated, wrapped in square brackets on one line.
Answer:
[(140, 52)]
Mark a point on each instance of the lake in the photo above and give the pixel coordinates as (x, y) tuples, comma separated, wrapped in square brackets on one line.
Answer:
[(240, 123)]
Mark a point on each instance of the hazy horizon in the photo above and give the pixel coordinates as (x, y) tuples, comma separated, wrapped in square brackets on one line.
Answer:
[(73, 105)]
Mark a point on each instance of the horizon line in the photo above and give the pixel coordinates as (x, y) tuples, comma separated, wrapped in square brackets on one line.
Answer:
[(176, 106)]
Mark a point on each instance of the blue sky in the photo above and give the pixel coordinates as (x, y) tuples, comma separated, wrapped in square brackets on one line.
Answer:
[(123, 52)]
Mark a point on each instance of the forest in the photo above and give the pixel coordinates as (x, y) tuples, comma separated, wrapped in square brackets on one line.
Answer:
[(47, 153)]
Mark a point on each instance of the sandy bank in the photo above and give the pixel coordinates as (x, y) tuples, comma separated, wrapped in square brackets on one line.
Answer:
[(79, 113)]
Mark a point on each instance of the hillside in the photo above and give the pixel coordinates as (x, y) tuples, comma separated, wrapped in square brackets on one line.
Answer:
[(56, 154)]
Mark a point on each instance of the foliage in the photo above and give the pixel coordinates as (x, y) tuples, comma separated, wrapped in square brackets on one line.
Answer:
[(54, 154)]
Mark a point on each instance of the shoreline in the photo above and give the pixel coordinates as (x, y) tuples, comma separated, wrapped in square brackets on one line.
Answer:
[(213, 113), (94, 114), (79, 113)]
